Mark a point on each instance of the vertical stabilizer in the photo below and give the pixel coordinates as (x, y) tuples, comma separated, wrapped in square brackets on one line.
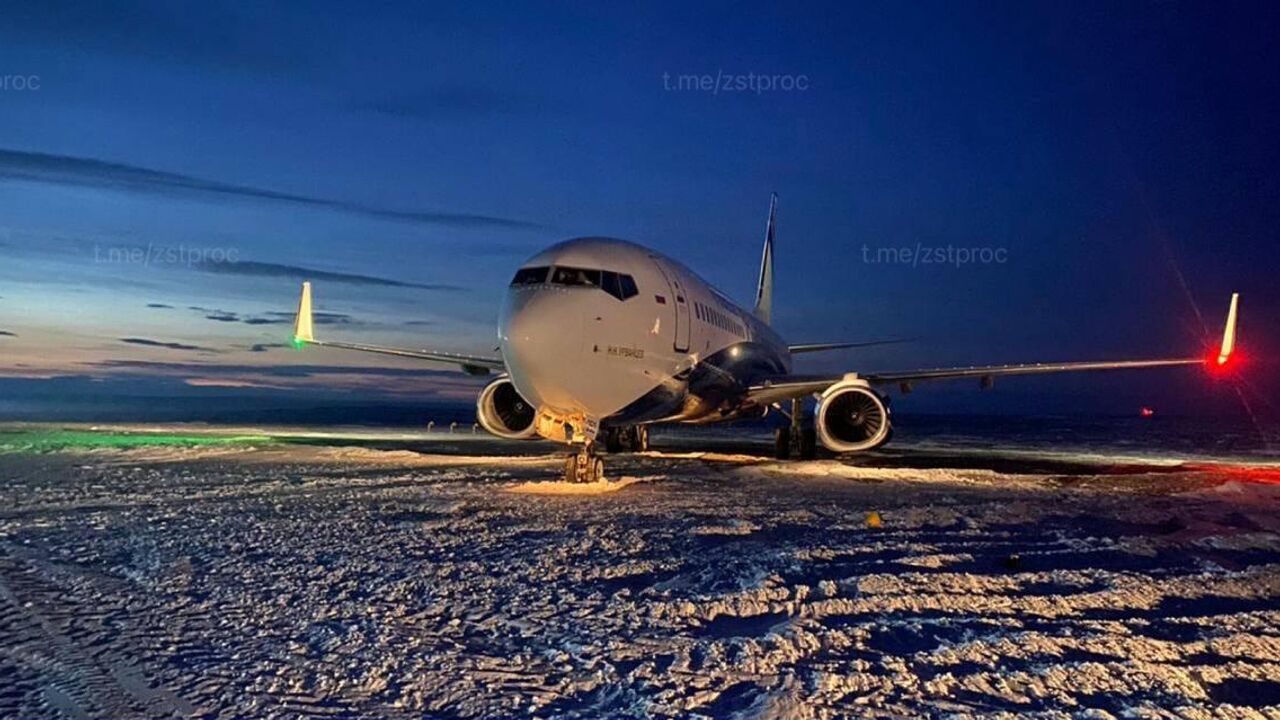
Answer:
[(764, 287)]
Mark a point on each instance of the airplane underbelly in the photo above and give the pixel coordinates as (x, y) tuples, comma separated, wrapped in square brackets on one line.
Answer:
[(712, 389)]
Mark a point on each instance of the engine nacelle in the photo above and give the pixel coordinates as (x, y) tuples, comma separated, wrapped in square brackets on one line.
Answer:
[(852, 417), (502, 411)]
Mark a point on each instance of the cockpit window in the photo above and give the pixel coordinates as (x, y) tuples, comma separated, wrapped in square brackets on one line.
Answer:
[(618, 285), (575, 276), (629, 289), (530, 276)]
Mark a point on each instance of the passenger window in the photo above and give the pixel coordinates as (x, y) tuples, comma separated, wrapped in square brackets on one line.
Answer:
[(530, 276)]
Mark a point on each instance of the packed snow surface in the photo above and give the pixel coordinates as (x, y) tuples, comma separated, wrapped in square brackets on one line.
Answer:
[(329, 576)]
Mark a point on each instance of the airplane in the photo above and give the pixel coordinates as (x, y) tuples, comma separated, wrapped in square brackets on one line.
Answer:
[(600, 338)]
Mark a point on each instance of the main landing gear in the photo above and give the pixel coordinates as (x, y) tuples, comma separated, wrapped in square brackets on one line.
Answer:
[(634, 438), (799, 435), (584, 466)]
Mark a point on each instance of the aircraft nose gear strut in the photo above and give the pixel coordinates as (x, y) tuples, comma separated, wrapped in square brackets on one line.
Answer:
[(584, 466)]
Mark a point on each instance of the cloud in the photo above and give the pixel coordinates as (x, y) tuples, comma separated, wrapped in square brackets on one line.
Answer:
[(264, 269), (418, 323), (160, 306), (319, 318), (273, 317), (168, 345), (231, 383), (6, 333), (324, 318), (216, 314), (204, 35), (90, 172)]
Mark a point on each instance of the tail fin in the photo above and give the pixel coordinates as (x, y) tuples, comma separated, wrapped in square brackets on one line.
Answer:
[(764, 287)]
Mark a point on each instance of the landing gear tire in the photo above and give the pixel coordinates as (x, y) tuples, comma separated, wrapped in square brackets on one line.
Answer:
[(782, 443), (613, 439), (633, 438), (584, 466), (799, 435), (808, 449), (641, 439)]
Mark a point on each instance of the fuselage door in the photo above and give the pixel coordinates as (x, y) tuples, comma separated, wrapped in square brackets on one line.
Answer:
[(681, 302)]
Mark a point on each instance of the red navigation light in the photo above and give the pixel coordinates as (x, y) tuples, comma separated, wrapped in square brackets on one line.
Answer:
[(1221, 364), (1147, 412)]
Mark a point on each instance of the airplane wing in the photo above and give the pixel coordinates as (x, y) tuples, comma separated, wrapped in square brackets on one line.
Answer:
[(303, 334), (771, 390), (822, 347)]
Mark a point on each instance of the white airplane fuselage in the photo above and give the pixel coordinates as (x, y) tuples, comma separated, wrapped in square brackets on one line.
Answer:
[(583, 352)]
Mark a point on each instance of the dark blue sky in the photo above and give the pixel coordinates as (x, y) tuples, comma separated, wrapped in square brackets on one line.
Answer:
[(1103, 147)]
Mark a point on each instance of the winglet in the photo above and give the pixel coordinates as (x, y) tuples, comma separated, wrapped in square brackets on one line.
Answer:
[(1229, 332), (302, 333), (764, 287)]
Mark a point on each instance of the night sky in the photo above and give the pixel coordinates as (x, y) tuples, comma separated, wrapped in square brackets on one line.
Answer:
[(170, 171)]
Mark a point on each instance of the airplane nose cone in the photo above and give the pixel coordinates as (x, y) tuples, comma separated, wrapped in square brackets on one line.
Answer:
[(542, 344)]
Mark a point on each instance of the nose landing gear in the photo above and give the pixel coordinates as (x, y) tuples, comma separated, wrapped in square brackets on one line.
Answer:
[(584, 466)]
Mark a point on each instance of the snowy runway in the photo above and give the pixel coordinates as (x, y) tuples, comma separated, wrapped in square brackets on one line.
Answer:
[(452, 578)]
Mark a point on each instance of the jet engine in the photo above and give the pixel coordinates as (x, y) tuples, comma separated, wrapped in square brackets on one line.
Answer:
[(502, 411), (852, 417)]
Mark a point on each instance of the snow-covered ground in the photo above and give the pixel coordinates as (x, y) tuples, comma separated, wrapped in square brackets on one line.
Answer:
[(382, 576)]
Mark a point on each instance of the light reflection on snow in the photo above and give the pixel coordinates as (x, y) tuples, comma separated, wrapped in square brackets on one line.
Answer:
[(393, 576)]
